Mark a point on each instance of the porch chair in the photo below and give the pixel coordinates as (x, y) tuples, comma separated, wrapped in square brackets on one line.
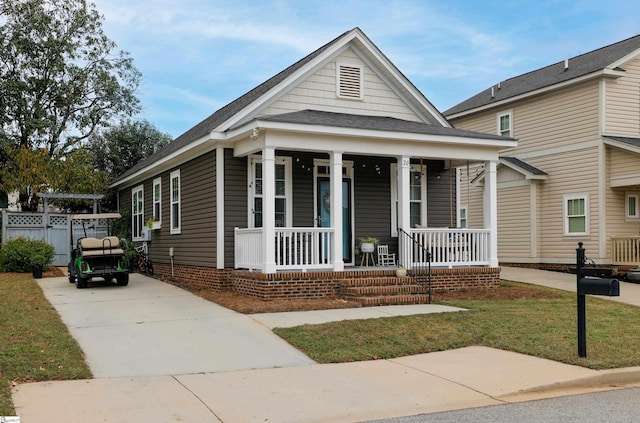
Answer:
[(384, 257)]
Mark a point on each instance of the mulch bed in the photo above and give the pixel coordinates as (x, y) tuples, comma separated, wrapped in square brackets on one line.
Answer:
[(250, 305)]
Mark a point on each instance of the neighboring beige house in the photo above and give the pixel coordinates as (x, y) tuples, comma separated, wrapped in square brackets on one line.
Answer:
[(575, 173)]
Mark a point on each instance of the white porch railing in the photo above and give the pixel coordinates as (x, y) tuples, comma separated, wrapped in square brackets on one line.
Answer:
[(448, 247), (295, 248), (625, 250)]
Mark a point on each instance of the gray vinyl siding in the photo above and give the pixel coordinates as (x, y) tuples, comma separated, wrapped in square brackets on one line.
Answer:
[(235, 201), (303, 190), (195, 245), (372, 199), (441, 195)]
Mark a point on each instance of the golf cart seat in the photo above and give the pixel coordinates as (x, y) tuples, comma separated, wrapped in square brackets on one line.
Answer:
[(100, 247)]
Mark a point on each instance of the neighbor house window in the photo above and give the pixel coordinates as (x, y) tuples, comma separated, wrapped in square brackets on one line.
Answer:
[(283, 203), (157, 202), (632, 206), (176, 213), (505, 124), (576, 219), (417, 197), (462, 217), (137, 212), (349, 81)]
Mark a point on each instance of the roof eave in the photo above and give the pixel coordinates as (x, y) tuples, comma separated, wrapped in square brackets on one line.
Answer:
[(602, 73)]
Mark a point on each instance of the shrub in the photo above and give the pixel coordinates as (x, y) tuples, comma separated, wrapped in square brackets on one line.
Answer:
[(17, 254)]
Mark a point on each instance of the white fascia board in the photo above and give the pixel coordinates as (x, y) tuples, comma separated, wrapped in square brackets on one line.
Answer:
[(621, 145), (503, 103), (370, 146), (383, 135)]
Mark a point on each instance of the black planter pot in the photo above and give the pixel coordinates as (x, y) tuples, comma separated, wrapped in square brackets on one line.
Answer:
[(36, 269)]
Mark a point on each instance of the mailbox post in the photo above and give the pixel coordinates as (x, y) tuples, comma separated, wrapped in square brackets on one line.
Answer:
[(590, 285)]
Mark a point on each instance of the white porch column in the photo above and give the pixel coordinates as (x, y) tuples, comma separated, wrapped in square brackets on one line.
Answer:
[(336, 209), (490, 203), (404, 198), (268, 209), (220, 207)]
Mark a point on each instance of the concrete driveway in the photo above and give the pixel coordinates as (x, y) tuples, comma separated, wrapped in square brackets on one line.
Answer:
[(151, 328)]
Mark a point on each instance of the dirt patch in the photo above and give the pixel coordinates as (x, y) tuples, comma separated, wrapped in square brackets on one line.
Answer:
[(53, 272)]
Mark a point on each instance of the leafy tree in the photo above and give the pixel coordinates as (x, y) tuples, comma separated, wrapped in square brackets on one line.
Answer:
[(120, 147), (60, 78), (27, 172)]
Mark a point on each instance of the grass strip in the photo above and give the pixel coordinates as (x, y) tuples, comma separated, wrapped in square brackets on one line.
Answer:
[(542, 327), (34, 343)]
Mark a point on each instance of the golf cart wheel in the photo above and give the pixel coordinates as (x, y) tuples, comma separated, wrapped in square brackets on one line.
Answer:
[(70, 273), (80, 281), (123, 280)]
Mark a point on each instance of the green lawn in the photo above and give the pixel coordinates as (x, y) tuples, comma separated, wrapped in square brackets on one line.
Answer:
[(543, 327), (34, 343)]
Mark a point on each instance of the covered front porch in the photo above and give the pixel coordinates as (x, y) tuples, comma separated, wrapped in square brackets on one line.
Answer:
[(387, 178)]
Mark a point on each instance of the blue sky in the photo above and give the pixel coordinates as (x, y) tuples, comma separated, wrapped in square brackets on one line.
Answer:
[(198, 55)]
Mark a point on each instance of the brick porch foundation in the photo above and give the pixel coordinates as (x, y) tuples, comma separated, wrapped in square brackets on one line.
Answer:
[(322, 284)]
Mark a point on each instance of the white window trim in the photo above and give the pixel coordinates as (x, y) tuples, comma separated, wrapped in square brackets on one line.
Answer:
[(288, 188), (636, 216), (157, 220), (501, 114), (565, 217), (394, 195), (466, 216), (361, 82), (175, 229), (137, 193)]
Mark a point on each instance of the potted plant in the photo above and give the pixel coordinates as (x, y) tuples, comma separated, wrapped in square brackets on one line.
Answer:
[(38, 263), (401, 272), (368, 244)]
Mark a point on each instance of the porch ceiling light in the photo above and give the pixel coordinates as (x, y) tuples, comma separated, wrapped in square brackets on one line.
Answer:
[(254, 134)]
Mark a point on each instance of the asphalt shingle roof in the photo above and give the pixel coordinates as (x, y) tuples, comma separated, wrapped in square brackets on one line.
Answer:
[(582, 65), (378, 123), (221, 115), (524, 166), (635, 142)]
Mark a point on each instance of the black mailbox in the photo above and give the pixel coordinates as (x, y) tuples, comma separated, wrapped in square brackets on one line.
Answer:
[(599, 286)]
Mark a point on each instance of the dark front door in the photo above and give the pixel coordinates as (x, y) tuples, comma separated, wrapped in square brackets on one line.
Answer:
[(323, 204)]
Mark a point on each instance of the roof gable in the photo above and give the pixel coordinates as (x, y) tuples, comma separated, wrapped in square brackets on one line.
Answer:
[(249, 105), (608, 57)]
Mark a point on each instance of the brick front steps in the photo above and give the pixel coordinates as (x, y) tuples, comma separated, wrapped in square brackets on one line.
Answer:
[(384, 290)]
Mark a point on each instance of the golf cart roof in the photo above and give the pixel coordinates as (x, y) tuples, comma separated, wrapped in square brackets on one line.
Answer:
[(93, 216)]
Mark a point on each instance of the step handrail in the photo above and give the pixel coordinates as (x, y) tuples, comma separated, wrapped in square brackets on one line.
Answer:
[(410, 245)]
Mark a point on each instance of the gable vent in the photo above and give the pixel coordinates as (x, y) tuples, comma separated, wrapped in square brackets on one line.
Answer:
[(350, 81)]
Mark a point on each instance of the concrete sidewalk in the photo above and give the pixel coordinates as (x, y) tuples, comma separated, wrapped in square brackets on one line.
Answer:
[(348, 392), (299, 391)]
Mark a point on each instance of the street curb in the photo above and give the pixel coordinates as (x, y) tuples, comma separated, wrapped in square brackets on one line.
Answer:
[(611, 378)]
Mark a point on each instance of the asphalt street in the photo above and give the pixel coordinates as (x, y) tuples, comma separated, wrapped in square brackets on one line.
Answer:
[(619, 406)]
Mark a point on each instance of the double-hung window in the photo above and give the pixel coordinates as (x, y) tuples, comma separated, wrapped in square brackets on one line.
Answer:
[(176, 213), (505, 124), (137, 212), (462, 217), (157, 202), (576, 217), (633, 204), (283, 204), (417, 197)]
